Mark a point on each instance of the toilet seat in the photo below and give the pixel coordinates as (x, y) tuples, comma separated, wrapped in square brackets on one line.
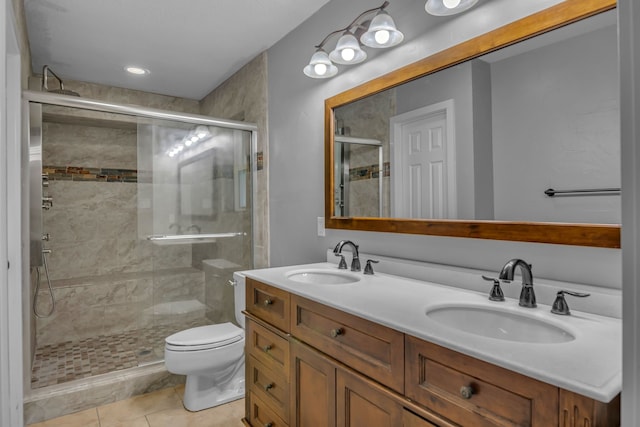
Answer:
[(204, 337)]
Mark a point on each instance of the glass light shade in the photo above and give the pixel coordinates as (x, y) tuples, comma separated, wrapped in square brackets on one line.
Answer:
[(347, 50), (320, 66), (382, 32), (443, 7)]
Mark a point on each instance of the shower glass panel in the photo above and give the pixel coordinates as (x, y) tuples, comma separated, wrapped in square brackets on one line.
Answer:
[(144, 236), (359, 177), (193, 209)]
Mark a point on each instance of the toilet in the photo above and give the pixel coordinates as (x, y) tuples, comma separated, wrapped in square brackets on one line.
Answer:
[(212, 358)]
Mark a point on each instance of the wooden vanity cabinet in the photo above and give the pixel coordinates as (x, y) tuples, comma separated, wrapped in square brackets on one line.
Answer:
[(310, 365)]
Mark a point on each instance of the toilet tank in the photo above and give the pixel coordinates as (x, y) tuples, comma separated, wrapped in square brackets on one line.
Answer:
[(239, 297)]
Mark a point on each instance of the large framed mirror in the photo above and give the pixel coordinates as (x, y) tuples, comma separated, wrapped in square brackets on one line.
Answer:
[(513, 135)]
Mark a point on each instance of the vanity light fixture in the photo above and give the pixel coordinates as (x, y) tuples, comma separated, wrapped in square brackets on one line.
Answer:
[(448, 7), (320, 66), (379, 32), (347, 50)]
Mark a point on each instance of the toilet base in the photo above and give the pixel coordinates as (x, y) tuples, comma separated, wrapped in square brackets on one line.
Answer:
[(201, 392)]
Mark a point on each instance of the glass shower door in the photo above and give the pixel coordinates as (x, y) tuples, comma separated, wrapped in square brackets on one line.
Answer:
[(195, 215)]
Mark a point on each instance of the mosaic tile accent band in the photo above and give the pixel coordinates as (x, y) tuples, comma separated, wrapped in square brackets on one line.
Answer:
[(80, 173), (369, 172)]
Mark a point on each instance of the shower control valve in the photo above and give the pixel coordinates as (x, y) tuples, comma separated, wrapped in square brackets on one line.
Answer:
[(46, 237), (47, 203)]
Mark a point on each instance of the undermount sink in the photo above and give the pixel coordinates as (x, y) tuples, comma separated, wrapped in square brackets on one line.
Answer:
[(322, 277), (500, 324)]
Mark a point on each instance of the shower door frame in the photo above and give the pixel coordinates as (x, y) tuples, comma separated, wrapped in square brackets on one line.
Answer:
[(44, 98), (47, 98)]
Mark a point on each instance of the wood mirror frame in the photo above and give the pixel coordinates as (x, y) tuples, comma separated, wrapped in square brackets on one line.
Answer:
[(597, 235)]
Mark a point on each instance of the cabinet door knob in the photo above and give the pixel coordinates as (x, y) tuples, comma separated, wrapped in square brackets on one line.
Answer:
[(466, 392), (336, 332), (268, 425), (268, 302), (266, 348), (268, 386)]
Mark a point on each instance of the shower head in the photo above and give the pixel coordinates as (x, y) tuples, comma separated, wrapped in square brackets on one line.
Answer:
[(62, 91)]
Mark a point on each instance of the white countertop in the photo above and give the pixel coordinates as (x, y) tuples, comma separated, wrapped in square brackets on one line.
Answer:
[(590, 365)]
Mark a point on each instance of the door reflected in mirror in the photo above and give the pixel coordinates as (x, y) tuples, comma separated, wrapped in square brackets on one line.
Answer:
[(484, 139)]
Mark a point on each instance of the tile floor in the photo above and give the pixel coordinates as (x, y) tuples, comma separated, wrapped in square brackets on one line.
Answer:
[(68, 361), (161, 408)]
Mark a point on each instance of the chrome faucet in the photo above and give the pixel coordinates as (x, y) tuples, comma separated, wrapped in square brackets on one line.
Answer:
[(177, 226), (527, 296), (355, 261)]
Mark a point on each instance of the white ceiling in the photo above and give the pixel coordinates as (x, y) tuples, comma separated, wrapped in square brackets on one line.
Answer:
[(189, 46)]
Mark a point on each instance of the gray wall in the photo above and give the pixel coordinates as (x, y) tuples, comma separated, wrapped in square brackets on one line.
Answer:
[(296, 117), (558, 127)]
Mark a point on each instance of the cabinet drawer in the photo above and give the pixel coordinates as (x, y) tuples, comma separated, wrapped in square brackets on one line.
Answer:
[(409, 419), (268, 303), (374, 350), (475, 393), (268, 347), (261, 415), (270, 386)]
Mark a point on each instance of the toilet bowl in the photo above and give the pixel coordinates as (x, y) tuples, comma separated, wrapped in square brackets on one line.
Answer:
[(212, 358)]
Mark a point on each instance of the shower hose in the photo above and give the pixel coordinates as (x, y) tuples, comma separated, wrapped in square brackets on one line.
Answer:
[(51, 296)]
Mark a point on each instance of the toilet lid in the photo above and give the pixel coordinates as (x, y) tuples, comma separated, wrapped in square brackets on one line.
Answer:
[(206, 336)]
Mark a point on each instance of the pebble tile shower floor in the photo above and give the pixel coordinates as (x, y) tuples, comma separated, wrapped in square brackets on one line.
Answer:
[(68, 361)]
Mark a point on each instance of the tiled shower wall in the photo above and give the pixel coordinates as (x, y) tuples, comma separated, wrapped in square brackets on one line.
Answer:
[(359, 120), (244, 97), (102, 271)]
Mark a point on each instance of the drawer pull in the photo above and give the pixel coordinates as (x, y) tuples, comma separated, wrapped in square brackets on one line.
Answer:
[(268, 302), (266, 348), (337, 332), (466, 392), (268, 386), (268, 425)]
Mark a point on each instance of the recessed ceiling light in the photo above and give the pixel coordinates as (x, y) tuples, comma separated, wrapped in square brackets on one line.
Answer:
[(137, 70)]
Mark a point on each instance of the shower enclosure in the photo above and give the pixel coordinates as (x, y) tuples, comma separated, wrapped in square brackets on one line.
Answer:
[(359, 177), (139, 218)]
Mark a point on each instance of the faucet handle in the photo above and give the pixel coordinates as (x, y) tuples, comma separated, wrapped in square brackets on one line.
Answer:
[(560, 305), (368, 269), (342, 265), (496, 291)]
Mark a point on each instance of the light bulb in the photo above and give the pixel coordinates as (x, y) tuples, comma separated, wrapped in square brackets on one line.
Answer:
[(347, 54), (451, 4), (188, 142), (382, 36), (320, 69)]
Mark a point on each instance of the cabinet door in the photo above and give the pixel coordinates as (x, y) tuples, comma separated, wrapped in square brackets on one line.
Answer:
[(313, 388), (362, 403)]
